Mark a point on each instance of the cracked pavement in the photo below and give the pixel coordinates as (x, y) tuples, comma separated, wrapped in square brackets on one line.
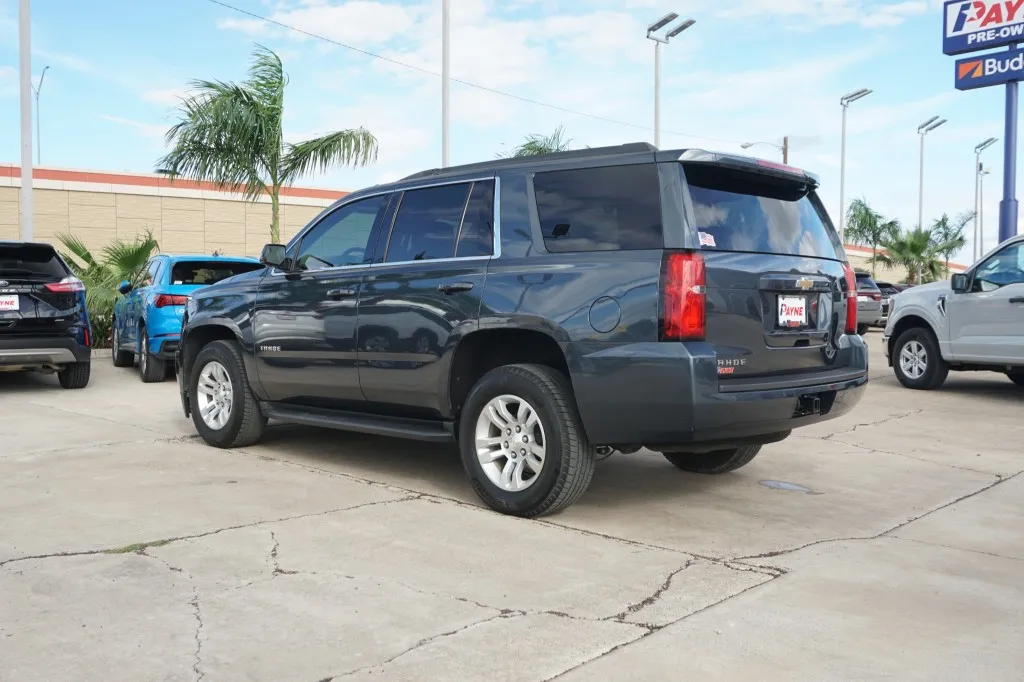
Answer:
[(131, 551)]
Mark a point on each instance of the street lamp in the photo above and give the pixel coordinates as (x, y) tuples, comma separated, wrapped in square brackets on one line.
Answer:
[(445, 80), (922, 130), (845, 101), (658, 42), (977, 192), (784, 147), (982, 172), (39, 135)]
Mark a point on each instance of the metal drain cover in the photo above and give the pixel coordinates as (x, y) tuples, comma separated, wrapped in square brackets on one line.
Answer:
[(790, 487)]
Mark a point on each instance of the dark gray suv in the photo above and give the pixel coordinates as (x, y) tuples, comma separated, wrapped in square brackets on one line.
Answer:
[(542, 313)]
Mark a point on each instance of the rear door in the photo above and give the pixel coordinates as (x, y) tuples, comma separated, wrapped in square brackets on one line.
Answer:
[(28, 306), (776, 283)]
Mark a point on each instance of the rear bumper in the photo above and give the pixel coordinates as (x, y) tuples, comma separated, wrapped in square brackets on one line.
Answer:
[(665, 394), (869, 316), (41, 352), (165, 347)]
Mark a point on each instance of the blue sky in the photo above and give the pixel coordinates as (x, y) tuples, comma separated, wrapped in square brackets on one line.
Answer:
[(748, 70)]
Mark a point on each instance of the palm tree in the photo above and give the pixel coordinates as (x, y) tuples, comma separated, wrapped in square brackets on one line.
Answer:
[(866, 226), (916, 250), (535, 145), (120, 260), (951, 233), (231, 134)]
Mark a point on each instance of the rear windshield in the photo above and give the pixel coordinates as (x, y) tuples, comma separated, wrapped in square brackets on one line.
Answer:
[(208, 272), (865, 282), (30, 261), (738, 211)]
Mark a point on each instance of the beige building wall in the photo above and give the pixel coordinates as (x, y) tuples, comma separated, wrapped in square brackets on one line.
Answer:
[(183, 217)]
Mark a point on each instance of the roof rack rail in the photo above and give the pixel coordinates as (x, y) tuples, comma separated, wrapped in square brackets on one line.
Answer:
[(629, 148)]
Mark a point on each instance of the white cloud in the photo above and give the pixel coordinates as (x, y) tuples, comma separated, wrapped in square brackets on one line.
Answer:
[(169, 97), (812, 13), (360, 23), (8, 81), (150, 131)]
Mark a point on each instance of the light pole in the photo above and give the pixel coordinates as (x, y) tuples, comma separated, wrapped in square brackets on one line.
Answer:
[(25, 67), (445, 79), (658, 42), (845, 101), (982, 172), (39, 134), (977, 192), (922, 130), (784, 147)]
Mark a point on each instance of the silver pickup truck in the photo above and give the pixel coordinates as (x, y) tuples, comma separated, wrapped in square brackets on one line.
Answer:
[(975, 322)]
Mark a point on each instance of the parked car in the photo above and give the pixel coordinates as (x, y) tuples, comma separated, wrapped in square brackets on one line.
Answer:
[(542, 312), (869, 303), (975, 322), (44, 323), (888, 291), (147, 318)]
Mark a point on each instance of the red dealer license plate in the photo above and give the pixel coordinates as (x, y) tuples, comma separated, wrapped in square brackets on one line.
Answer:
[(792, 311)]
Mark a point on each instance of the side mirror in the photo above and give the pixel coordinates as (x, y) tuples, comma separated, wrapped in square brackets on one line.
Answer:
[(560, 230), (273, 255), (124, 287), (960, 283)]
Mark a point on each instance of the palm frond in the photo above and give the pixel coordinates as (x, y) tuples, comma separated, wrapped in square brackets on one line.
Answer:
[(127, 258), (356, 147), (83, 259), (536, 145)]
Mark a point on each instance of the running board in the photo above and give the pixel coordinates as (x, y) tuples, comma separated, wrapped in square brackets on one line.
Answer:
[(377, 425)]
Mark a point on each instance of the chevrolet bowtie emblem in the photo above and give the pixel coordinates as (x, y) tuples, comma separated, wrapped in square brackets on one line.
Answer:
[(804, 283)]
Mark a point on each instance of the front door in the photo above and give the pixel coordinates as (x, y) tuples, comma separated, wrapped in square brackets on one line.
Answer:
[(134, 303), (304, 320), (986, 323), (425, 295)]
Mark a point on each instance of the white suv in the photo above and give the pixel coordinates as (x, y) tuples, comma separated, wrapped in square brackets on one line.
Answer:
[(975, 322)]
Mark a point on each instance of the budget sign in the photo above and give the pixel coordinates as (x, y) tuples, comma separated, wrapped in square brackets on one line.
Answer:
[(971, 25), (979, 72)]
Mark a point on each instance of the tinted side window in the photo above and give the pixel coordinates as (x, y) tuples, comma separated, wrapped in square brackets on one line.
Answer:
[(343, 237), (600, 209), (427, 223), (476, 238)]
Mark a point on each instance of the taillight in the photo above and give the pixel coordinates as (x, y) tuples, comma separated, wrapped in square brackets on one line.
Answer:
[(68, 285), (164, 300), (851, 299), (876, 297), (683, 297)]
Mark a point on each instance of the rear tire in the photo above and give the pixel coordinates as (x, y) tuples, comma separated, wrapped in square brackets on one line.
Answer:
[(917, 362), (244, 423), (75, 376), (717, 462), (151, 369), (121, 358), (1017, 377), (522, 443)]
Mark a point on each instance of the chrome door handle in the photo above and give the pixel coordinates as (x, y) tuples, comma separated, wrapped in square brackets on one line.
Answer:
[(341, 293), (454, 287), (1017, 299)]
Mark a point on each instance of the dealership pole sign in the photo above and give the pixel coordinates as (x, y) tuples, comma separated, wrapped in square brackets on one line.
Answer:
[(974, 25)]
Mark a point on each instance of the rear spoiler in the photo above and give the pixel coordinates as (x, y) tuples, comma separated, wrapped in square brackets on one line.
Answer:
[(750, 164)]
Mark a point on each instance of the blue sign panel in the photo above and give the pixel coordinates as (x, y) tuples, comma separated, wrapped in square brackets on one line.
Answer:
[(972, 25), (989, 69)]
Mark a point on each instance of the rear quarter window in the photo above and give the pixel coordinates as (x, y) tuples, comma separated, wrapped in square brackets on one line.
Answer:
[(752, 212), (615, 208)]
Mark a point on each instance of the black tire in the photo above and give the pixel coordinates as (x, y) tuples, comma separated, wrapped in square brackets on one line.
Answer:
[(936, 369), (151, 369), (246, 422), (568, 463), (75, 376), (863, 329), (120, 358), (717, 462), (1017, 377)]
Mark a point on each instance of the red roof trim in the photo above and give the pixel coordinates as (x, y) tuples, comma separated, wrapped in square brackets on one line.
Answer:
[(7, 171)]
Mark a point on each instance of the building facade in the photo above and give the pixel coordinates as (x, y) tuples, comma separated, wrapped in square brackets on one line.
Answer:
[(186, 216)]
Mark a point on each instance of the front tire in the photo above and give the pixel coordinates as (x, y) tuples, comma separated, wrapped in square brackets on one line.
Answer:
[(717, 462), (522, 443), (120, 358), (151, 369), (224, 410), (75, 376), (917, 362)]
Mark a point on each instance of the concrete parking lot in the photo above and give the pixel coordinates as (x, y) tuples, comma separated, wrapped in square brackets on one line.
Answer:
[(893, 548)]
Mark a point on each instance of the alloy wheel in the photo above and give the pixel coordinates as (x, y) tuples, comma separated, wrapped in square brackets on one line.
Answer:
[(914, 359), (214, 395), (510, 443)]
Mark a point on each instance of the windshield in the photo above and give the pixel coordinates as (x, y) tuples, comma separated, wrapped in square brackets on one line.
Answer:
[(208, 272), (30, 261), (743, 211)]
